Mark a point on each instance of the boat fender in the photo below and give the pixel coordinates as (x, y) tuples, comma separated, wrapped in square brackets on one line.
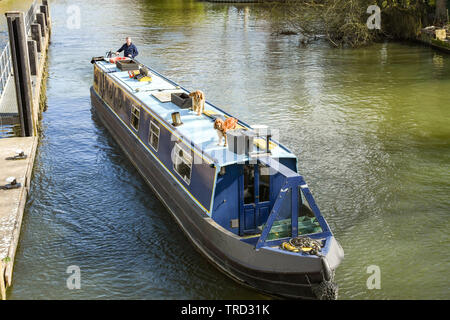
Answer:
[(326, 290), (327, 273)]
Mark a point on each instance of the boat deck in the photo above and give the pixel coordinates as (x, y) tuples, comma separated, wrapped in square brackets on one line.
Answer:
[(198, 129)]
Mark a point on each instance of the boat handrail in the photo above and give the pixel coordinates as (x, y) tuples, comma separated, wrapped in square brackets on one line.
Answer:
[(292, 182)]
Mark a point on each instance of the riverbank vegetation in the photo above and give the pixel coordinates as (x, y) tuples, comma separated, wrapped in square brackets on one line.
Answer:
[(344, 22)]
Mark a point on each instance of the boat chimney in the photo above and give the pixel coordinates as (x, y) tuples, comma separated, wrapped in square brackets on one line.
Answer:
[(176, 119)]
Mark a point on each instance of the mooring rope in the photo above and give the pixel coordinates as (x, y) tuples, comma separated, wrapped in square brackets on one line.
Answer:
[(306, 244), (303, 244)]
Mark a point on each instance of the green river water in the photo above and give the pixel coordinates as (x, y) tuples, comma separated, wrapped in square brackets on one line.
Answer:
[(371, 128)]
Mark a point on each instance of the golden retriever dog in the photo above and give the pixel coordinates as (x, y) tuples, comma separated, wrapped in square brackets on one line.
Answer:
[(198, 105), (223, 126)]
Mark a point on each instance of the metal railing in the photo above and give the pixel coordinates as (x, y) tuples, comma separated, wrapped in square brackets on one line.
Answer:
[(30, 15), (5, 74), (6, 71), (5, 68), (5, 56)]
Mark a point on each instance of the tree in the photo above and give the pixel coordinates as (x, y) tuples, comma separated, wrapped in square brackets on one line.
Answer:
[(441, 11), (344, 22)]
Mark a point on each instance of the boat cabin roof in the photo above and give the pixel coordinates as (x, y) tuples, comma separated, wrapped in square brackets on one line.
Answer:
[(198, 130)]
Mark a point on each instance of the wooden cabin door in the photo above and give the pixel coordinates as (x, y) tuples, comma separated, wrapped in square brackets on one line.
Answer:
[(254, 198)]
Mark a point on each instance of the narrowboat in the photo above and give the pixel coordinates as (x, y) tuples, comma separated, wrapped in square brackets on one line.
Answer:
[(243, 206)]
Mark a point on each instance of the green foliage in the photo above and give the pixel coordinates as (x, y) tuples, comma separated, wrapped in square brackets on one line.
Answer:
[(440, 43), (6, 259)]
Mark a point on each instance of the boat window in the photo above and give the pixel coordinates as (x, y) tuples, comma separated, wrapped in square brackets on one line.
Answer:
[(111, 88), (249, 184), (135, 113), (182, 163), (119, 98), (101, 84), (96, 72), (153, 138), (282, 226), (264, 184), (125, 101), (307, 221), (106, 88)]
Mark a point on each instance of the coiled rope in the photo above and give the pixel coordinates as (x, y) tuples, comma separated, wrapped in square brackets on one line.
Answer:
[(306, 244)]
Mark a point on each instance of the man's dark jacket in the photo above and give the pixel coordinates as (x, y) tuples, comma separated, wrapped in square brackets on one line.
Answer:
[(129, 49)]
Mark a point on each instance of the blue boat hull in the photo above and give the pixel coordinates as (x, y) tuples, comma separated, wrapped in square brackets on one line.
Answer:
[(266, 270)]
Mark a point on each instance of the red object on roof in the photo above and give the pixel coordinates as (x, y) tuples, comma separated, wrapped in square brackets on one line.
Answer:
[(114, 60)]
